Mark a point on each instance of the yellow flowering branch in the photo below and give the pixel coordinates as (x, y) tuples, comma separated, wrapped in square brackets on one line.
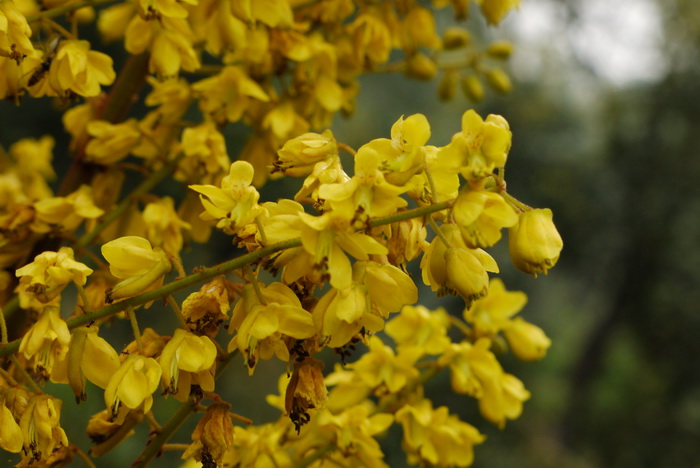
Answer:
[(221, 269)]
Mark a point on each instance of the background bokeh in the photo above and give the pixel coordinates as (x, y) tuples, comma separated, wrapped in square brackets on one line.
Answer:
[(605, 114)]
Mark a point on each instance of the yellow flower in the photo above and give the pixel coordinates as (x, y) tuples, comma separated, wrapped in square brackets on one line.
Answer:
[(456, 269), (205, 153), (49, 274), (388, 287), (89, 358), (66, 213), (33, 157), (228, 95), (111, 143), (164, 227), (14, 31), (481, 215), (299, 155), (385, 371), (353, 431), (366, 194), (187, 360), (435, 437), (491, 314), (341, 314), (262, 322), (169, 40), (480, 147), (419, 327), (132, 386), (328, 237), (78, 69), (213, 436), (535, 243), (235, 204), (371, 38), (407, 241), (40, 424), (132, 259), (474, 370)]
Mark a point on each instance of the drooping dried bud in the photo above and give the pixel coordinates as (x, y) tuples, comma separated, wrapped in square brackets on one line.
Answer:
[(306, 391), (212, 437)]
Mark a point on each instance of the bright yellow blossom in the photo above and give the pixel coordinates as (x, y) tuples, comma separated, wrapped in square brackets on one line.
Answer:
[(49, 274), (328, 237), (299, 155), (263, 321), (91, 358), (46, 343), (65, 213), (133, 260), (437, 437), (384, 370), (228, 95), (419, 327), (186, 360), (163, 226), (78, 69), (366, 194), (111, 143), (527, 341), (40, 424), (481, 215), (235, 204), (206, 157), (496, 10), (14, 31), (491, 314), (132, 385), (480, 147)]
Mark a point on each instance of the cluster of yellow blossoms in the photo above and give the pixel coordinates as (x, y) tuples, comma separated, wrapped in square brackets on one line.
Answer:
[(336, 256)]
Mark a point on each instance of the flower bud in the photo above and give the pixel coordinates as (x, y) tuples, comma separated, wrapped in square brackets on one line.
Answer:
[(527, 341), (420, 66), (454, 38), (534, 242), (472, 87), (499, 80), (465, 274), (500, 49)]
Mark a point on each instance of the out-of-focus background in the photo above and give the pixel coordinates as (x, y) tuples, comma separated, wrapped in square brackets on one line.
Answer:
[(605, 114)]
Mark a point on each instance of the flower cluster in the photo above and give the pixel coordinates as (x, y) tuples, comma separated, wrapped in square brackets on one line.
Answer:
[(326, 270)]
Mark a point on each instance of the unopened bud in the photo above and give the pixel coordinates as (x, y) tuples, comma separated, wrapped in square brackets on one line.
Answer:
[(472, 87), (454, 38), (535, 243), (499, 50), (419, 66), (499, 80)]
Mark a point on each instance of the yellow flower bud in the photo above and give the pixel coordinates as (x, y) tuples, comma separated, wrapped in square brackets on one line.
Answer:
[(421, 67), (499, 80), (448, 85), (133, 259), (472, 87), (455, 37), (11, 439), (465, 274), (534, 242), (499, 49), (527, 341), (89, 358)]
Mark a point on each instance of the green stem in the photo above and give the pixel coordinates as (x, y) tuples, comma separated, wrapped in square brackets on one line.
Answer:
[(217, 270), (438, 232), (135, 327), (3, 327), (166, 432), (515, 202)]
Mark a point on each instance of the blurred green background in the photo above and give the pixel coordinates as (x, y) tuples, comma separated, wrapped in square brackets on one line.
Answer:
[(605, 115)]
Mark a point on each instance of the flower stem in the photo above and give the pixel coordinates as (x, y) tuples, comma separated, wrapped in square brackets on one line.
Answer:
[(223, 268), (135, 327)]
